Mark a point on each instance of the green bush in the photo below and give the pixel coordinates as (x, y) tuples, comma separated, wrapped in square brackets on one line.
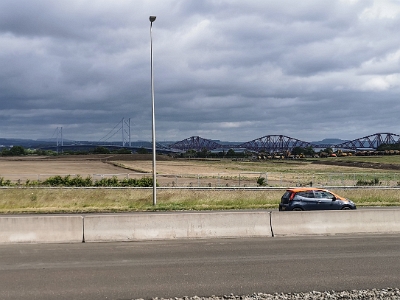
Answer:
[(32, 183), (57, 181), (78, 181), (14, 151), (372, 182), (101, 150), (4, 182), (129, 182), (107, 182), (145, 182), (261, 181)]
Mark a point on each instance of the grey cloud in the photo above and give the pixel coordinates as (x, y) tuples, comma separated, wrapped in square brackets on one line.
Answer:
[(228, 70)]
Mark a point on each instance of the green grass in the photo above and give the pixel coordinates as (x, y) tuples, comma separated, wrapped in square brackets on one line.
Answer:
[(372, 197), (120, 200), (21, 200)]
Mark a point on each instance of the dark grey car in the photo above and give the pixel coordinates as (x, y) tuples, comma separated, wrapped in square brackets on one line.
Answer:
[(313, 199)]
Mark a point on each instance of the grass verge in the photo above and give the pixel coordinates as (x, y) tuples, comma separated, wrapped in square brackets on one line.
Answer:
[(27, 200)]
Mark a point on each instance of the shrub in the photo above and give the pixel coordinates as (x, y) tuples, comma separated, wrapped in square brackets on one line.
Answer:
[(101, 150), (372, 182), (78, 181), (4, 182), (107, 182), (14, 151), (57, 181), (261, 181), (145, 182)]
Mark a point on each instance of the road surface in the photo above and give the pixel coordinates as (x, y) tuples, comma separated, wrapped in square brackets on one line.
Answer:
[(198, 267)]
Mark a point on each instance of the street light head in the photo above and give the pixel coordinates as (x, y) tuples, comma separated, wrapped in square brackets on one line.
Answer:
[(152, 18)]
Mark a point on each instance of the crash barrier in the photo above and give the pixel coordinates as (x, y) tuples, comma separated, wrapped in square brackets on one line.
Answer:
[(180, 225), (335, 222), (41, 229), (145, 226)]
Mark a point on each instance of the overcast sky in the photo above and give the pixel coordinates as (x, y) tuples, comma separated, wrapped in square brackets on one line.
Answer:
[(230, 70)]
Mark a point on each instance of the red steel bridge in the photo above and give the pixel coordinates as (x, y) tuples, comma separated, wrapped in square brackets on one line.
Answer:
[(281, 143)]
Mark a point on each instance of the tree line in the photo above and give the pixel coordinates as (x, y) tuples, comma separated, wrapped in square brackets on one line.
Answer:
[(21, 151)]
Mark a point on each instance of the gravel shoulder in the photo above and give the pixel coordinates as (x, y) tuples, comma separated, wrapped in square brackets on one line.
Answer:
[(389, 293)]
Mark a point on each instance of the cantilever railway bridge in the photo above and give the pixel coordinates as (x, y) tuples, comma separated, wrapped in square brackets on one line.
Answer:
[(268, 144), (280, 143)]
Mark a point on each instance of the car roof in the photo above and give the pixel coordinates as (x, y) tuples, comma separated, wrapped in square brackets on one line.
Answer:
[(302, 189)]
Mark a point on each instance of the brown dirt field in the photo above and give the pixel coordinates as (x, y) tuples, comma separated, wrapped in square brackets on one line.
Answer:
[(20, 169), (359, 164), (36, 167), (100, 164), (105, 164), (171, 172), (176, 167)]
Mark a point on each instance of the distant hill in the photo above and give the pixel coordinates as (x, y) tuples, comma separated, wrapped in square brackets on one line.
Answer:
[(26, 143), (331, 141), (33, 144)]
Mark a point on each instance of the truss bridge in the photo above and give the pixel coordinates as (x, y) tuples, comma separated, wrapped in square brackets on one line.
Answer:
[(282, 143)]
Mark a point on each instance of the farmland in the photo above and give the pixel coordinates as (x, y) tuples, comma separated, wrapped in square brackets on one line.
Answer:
[(225, 183)]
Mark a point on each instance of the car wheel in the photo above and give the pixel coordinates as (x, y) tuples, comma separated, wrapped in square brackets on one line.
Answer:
[(345, 208), (297, 209)]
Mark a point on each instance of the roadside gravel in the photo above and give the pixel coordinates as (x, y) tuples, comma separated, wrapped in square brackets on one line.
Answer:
[(389, 293)]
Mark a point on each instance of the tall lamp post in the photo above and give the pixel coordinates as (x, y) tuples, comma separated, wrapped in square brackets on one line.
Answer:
[(152, 19)]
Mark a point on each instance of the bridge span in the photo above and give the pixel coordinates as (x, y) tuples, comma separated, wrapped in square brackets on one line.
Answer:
[(268, 144), (281, 143)]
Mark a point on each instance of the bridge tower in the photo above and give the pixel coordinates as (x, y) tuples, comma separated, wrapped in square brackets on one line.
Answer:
[(126, 132), (60, 140)]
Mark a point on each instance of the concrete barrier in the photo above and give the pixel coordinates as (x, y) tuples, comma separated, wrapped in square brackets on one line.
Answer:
[(41, 229), (335, 222), (152, 226)]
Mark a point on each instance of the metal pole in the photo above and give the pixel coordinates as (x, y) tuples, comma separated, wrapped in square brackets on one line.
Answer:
[(152, 19), (62, 142), (122, 129), (58, 137), (129, 126)]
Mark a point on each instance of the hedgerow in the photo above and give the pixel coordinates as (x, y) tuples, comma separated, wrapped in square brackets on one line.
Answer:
[(79, 181)]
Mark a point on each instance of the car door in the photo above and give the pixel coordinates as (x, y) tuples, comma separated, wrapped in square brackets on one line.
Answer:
[(325, 200), (307, 200)]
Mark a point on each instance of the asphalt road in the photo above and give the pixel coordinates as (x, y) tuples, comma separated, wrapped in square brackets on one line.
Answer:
[(198, 267)]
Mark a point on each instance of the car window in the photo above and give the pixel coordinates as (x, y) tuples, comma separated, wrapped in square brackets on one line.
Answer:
[(323, 194), (306, 194), (318, 194)]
